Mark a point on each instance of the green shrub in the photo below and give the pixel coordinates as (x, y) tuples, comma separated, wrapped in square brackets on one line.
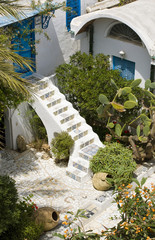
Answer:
[(61, 146), (115, 160), (9, 212), (16, 217), (37, 125), (83, 79)]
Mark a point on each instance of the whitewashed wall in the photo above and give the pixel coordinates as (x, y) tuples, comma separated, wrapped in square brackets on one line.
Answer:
[(17, 123), (51, 53), (111, 46)]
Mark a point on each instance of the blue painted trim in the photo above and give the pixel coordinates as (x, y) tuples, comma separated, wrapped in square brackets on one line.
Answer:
[(126, 67), (4, 21), (26, 74), (23, 47), (75, 11)]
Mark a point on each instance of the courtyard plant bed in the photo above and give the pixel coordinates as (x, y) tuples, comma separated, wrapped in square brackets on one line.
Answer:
[(117, 161), (137, 214), (137, 209)]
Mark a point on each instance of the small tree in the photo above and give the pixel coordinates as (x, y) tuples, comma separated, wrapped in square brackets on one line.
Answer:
[(142, 135), (61, 146), (83, 79)]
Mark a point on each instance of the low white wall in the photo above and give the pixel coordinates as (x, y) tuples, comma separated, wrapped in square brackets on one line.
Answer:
[(17, 123), (85, 4), (112, 47)]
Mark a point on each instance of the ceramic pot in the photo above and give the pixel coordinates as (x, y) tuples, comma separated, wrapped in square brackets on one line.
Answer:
[(99, 181), (108, 138), (46, 216)]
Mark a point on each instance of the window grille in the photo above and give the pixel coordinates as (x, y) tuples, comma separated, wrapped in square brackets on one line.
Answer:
[(122, 32)]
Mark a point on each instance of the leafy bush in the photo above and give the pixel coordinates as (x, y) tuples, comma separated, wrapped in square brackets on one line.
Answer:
[(137, 209), (61, 146), (16, 221), (115, 160), (9, 212), (37, 126), (83, 79)]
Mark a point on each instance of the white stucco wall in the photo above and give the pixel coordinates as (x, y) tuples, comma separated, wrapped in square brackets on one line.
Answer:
[(51, 53), (112, 47), (17, 123)]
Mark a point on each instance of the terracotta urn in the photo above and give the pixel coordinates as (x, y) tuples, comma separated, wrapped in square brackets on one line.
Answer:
[(46, 216), (108, 138), (99, 181)]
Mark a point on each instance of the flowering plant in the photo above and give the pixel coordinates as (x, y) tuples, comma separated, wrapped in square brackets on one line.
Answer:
[(27, 205), (137, 208), (78, 232)]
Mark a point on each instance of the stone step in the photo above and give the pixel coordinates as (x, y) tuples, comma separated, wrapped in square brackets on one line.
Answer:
[(67, 116), (81, 164), (34, 78), (65, 105), (45, 94), (60, 110), (76, 174), (39, 86), (53, 101), (86, 140), (89, 151), (80, 132), (72, 125)]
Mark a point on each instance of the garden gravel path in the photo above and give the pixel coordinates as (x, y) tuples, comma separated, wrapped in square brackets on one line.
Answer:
[(51, 187)]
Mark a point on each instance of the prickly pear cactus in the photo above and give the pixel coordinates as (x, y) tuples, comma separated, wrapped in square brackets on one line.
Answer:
[(142, 136)]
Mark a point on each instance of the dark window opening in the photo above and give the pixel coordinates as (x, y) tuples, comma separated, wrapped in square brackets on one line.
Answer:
[(122, 32)]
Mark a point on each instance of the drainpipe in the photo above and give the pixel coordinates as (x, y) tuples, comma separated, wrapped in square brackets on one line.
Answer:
[(91, 38)]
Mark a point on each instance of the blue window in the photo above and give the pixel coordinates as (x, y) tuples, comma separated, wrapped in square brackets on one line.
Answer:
[(23, 42), (73, 12), (126, 68)]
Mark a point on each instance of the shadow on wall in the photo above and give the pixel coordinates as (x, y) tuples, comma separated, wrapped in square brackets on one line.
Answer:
[(49, 53)]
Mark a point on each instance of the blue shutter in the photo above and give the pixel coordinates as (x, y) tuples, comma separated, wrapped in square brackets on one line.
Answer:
[(126, 68), (23, 41), (74, 12)]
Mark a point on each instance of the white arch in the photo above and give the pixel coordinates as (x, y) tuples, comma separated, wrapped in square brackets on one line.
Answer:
[(133, 15)]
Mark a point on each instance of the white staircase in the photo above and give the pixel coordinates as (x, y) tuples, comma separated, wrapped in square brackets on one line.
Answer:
[(58, 115)]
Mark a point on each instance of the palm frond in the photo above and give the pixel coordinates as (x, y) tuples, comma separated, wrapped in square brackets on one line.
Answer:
[(11, 8)]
